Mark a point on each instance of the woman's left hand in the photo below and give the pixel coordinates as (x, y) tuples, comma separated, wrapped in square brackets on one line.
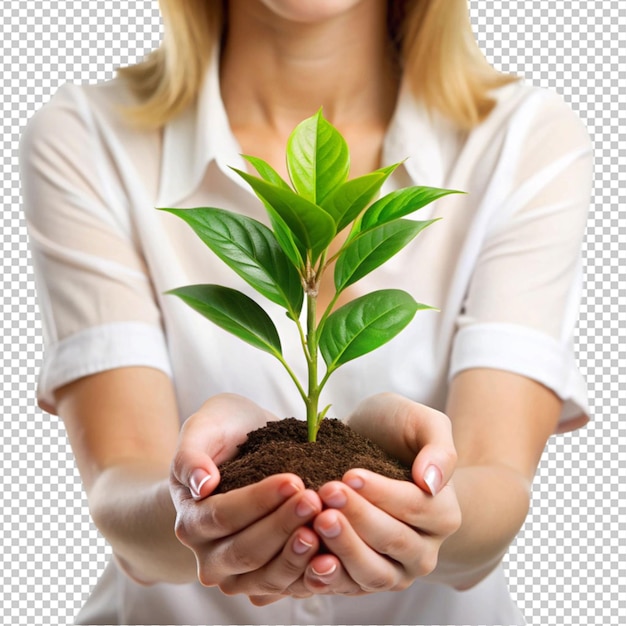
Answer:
[(382, 534)]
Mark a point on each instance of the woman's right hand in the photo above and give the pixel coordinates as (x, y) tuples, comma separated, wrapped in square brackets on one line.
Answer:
[(252, 540)]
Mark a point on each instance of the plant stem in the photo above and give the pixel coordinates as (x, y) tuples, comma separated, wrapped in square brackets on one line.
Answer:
[(291, 375), (313, 396), (302, 336), (328, 311)]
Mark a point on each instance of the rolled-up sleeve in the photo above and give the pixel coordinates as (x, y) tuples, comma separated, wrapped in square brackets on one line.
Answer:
[(97, 302), (521, 307)]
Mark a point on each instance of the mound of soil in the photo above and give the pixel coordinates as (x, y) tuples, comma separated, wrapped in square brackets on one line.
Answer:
[(282, 446)]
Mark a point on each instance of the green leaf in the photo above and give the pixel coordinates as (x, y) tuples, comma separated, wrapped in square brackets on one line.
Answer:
[(365, 324), (281, 231), (266, 171), (235, 312), (250, 249), (310, 224), (348, 200), (373, 248), (294, 250), (317, 158), (401, 203)]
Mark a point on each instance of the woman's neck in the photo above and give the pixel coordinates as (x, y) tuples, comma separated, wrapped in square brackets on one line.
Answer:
[(274, 72)]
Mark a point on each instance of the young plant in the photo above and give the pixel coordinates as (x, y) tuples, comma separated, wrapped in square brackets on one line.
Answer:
[(285, 263)]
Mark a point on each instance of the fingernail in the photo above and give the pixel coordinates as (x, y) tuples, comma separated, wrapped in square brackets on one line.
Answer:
[(304, 508), (336, 499), (196, 481), (331, 531), (288, 489), (300, 546), (324, 576), (433, 478), (355, 482)]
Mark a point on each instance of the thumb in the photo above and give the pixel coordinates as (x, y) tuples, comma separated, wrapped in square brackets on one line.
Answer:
[(436, 460), (199, 478), (412, 432), (193, 471), (210, 437)]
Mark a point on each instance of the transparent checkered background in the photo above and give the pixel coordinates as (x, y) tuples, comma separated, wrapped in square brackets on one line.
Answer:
[(564, 568)]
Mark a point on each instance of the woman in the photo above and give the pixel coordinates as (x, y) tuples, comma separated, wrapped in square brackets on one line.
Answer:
[(477, 388)]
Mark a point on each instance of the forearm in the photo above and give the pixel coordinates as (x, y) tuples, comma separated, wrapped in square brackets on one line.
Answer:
[(131, 506), (494, 501)]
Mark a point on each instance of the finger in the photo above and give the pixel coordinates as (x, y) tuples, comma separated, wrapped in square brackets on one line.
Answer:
[(266, 600), (210, 437), (404, 501), (231, 512), (257, 545), (200, 483), (279, 577), (431, 432), (411, 432), (414, 552), (370, 570), (326, 575), (193, 473), (226, 514)]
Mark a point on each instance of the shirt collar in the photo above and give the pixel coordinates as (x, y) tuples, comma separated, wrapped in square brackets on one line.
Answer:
[(419, 138), (202, 134), (195, 138)]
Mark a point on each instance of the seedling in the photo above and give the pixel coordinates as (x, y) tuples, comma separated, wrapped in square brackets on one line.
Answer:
[(285, 263)]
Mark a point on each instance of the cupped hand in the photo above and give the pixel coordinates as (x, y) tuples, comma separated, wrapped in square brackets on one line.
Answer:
[(252, 540), (382, 534)]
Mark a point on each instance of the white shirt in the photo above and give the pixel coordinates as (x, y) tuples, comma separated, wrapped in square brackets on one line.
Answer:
[(503, 266)]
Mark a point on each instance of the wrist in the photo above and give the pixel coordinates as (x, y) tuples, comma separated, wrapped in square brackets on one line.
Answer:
[(494, 501), (132, 508)]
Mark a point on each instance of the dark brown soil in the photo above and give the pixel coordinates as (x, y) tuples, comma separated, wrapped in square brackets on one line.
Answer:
[(282, 446)]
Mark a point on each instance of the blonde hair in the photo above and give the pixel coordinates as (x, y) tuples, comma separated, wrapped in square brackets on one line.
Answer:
[(436, 48)]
